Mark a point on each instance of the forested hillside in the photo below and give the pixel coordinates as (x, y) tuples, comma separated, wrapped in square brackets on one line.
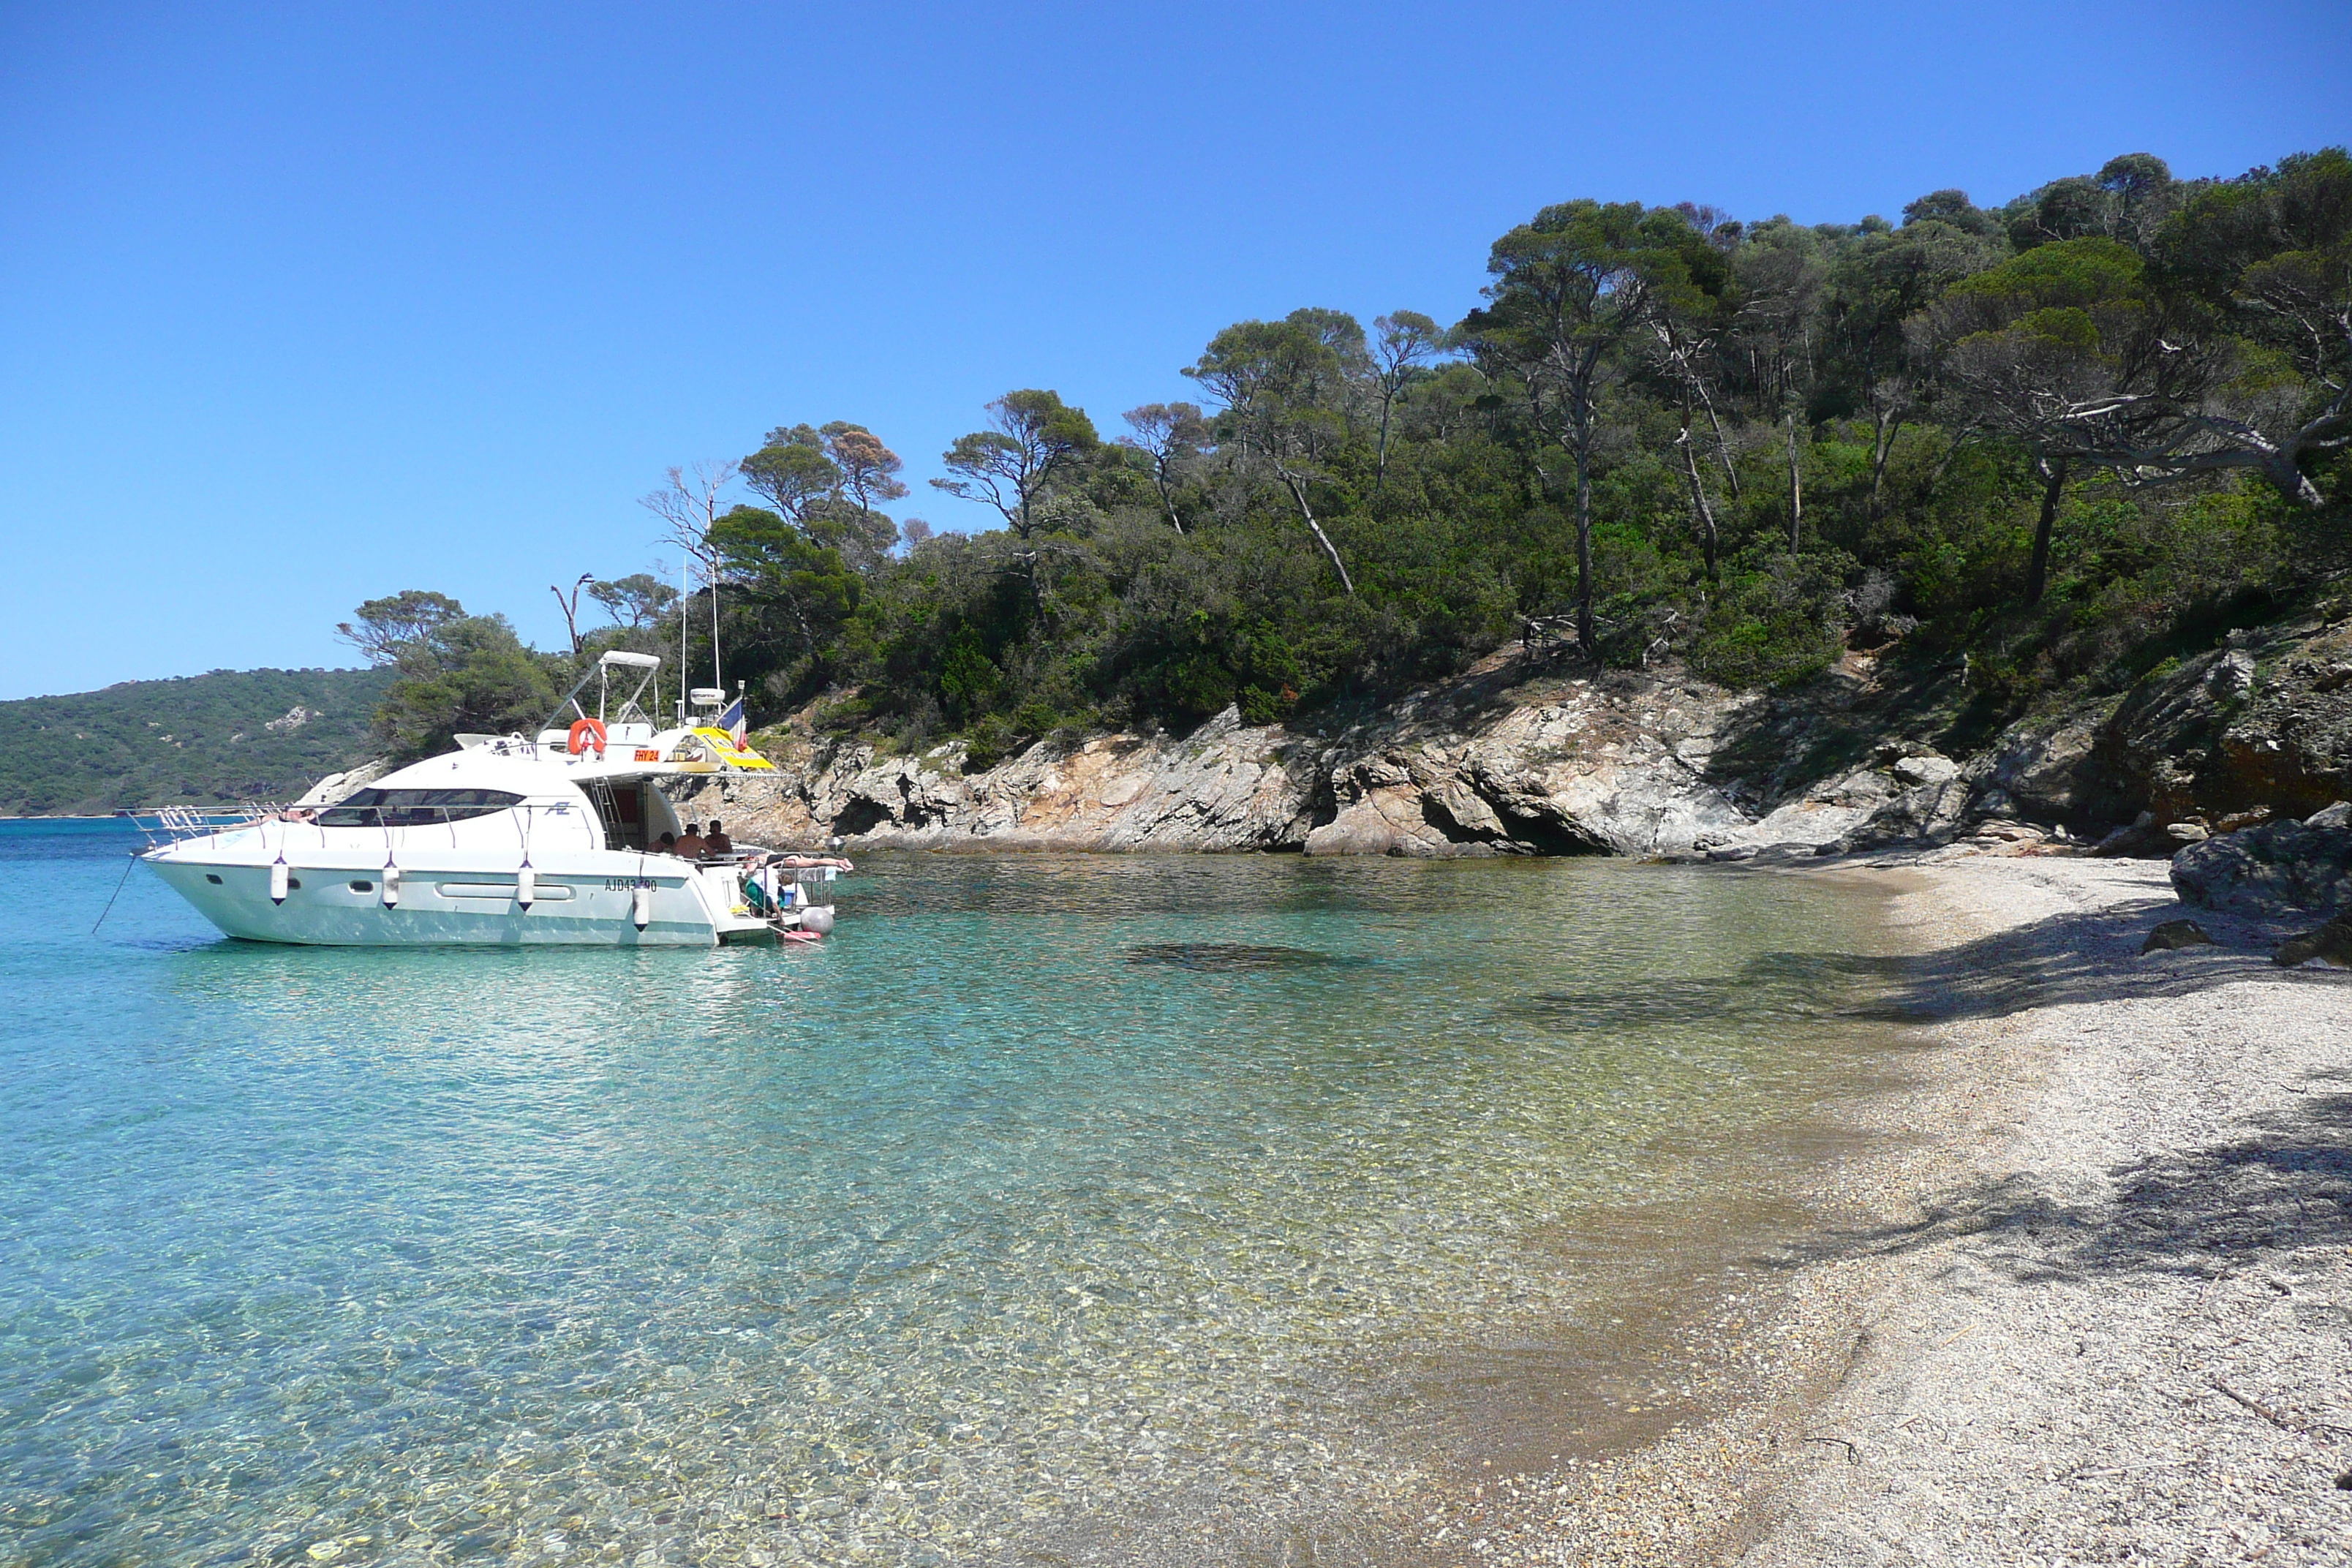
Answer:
[(2062, 439), (204, 740)]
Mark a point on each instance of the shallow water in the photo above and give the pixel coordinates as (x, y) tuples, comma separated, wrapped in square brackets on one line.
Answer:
[(1115, 1209)]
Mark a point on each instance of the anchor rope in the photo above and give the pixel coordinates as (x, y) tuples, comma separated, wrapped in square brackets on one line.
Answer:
[(117, 893)]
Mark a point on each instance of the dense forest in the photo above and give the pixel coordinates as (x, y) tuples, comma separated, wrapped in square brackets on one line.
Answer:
[(2064, 438), (202, 740)]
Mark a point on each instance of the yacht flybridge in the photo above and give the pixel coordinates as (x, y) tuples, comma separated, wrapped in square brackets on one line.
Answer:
[(560, 837)]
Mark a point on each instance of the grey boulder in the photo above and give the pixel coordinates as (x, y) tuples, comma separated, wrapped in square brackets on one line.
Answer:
[(2270, 871)]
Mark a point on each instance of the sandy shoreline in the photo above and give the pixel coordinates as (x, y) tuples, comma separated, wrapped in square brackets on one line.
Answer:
[(2088, 1298)]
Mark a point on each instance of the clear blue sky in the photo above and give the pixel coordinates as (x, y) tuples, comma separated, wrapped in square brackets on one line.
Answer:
[(305, 303)]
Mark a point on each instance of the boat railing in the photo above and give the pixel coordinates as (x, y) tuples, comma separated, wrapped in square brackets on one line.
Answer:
[(169, 825)]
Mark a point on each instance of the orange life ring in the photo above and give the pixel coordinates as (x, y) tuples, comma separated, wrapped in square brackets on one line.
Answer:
[(583, 732)]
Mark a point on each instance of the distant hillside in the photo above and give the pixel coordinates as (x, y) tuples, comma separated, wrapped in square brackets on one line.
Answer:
[(202, 740)]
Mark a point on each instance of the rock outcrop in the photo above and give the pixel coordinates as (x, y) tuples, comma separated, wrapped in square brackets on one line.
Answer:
[(1225, 787), (2265, 719), (1527, 754), (2274, 870), (1517, 757)]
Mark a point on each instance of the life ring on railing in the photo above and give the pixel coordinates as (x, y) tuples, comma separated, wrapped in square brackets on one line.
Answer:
[(586, 732)]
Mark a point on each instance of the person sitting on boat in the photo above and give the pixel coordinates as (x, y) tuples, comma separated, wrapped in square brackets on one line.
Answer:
[(690, 844), (716, 843), (667, 844)]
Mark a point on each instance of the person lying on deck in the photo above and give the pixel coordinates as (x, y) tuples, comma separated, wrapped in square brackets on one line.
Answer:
[(796, 862)]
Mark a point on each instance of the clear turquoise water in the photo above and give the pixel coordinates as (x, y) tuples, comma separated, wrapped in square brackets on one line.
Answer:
[(1114, 1207)]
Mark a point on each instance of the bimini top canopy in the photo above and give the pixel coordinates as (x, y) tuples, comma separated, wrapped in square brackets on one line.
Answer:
[(599, 675)]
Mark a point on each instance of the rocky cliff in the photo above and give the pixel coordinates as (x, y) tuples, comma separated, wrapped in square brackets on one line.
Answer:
[(1529, 753)]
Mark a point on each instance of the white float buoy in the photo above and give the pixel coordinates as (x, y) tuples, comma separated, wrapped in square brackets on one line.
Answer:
[(641, 907), (281, 875), (817, 918), (392, 886), (526, 886)]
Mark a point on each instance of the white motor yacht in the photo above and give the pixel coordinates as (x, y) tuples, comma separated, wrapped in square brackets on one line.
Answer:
[(507, 840)]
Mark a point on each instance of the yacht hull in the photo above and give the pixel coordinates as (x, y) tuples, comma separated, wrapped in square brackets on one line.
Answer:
[(328, 905)]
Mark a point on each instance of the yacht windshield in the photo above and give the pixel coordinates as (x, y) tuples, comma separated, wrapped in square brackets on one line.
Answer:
[(414, 807)]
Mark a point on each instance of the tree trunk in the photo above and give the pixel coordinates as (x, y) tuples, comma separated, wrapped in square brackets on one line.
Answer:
[(1586, 638), (1796, 492), (1707, 539), (1883, 422), (1380, 475), (2286, 475), (1944, 463), (2037, 570), (1722, 445), (1298, 494), (1168, 499), (570, 617)]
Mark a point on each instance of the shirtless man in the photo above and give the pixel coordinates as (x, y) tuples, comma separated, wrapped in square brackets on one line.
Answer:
[(690, 844), (799, 862)]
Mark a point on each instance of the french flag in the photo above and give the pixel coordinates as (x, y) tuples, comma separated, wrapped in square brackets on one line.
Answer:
[(732, 721)]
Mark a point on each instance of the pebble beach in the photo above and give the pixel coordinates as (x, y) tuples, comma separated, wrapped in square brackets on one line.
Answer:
[(2085, 1296)]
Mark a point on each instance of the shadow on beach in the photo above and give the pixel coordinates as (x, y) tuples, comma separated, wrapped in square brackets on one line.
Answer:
[(2280, 1180), (2075, 957), (2069, 959), (2283, 1181)]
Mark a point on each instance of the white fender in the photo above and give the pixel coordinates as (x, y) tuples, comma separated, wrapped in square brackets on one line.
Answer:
[(392, 886), (817, 918), (279, 875), (526, 886), (641, 907)]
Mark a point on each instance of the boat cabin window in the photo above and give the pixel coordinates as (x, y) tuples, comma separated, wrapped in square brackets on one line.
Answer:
[(414, 807)]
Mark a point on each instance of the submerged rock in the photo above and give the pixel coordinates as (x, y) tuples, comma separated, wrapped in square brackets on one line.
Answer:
[(1230, 957)]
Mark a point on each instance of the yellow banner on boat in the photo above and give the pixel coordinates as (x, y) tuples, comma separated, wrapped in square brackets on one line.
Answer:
[(715, 748)]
